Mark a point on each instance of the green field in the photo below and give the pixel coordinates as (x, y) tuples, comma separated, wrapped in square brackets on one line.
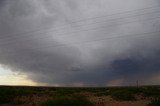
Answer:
[(79, 96)]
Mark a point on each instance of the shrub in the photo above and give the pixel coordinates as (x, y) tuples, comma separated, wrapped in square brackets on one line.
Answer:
[(8, 94), (122, 95), (155, 102), (104, 93), (151, 92), (65, 92), (5, 99), (67, 101)]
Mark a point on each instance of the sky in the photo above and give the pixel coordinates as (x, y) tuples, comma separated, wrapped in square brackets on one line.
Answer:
[(79, 42)]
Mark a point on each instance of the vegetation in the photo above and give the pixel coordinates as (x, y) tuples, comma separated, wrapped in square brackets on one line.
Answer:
[(151, 92), (155, 102), (47, 96), (67, 101), (122, 95), (8, 94)]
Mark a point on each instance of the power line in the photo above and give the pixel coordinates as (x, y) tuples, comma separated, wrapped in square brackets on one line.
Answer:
[(92, 23), (89, 19), (142, 35), (44, 37)]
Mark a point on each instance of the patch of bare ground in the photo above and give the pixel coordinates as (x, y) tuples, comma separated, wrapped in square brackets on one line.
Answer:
[(34, 100), (85, 94), (108, 101)]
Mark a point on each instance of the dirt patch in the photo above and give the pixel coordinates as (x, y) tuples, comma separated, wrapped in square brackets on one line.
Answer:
[(33, 100), (108, 101)]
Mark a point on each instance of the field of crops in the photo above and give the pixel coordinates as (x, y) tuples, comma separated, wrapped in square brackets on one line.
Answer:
[(68, 96)]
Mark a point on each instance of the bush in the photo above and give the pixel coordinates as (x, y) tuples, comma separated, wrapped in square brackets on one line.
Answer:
[(67, 101), (151, 92), (155, 102), (5, 99), (65, 92), (100, 93), (8, 94), (122, 95)]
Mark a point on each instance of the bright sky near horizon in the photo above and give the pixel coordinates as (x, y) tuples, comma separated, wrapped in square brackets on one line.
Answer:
[(8, 77)]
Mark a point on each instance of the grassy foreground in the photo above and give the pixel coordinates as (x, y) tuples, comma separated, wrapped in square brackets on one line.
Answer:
[(54, 96)]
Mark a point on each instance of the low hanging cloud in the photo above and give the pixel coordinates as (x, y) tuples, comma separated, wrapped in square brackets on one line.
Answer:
[(79, 42)]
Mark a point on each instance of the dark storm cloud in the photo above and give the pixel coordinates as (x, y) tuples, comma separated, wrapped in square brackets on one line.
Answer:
[(135, 68), (39, 38)]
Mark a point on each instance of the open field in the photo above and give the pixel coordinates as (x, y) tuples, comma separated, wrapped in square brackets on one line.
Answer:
[(68, 96)]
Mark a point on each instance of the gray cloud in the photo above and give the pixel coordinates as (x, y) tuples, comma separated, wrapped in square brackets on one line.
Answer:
[(44, 40)]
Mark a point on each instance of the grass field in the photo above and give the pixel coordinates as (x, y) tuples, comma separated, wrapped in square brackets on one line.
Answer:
[(61, 96)]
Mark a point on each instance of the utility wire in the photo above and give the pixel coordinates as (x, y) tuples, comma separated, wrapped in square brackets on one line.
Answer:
[(96, 28), (141, 35), (30, 32)]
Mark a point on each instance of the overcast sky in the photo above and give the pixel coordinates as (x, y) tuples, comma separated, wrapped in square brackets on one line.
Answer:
[(81, 42)]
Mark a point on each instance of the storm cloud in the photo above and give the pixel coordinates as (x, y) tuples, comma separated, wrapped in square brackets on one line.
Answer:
[(82, 42)]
